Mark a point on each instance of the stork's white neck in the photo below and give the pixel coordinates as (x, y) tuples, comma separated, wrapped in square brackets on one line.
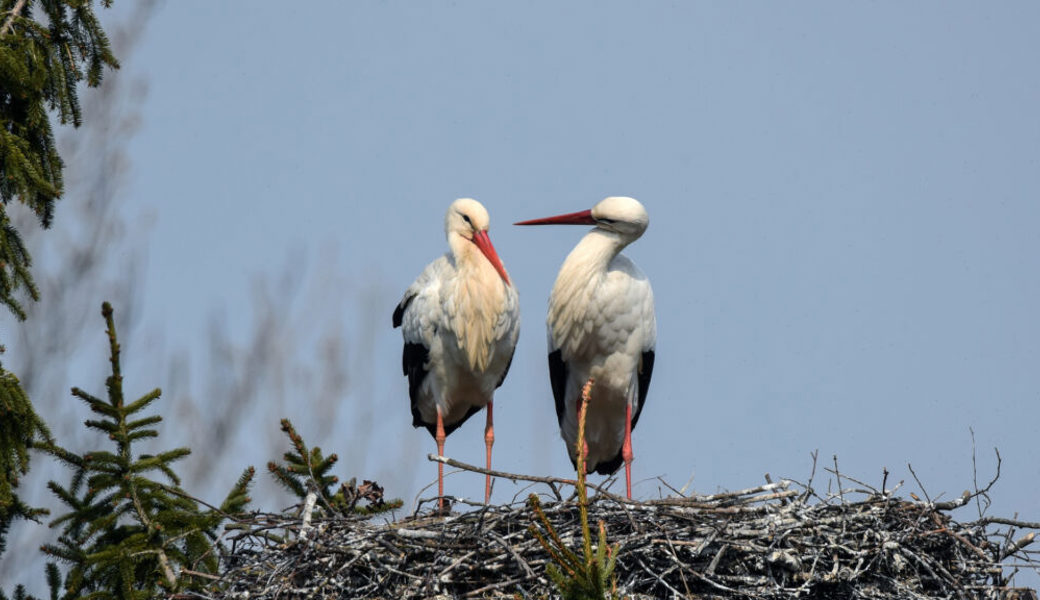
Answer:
[(579, 277), (594, 252)]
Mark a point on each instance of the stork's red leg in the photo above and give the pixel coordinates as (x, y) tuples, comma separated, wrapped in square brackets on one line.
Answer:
[(440, 452), (626, 450), (489, 440)]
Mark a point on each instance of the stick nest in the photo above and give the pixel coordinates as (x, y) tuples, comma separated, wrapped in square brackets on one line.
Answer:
[(779, 540)]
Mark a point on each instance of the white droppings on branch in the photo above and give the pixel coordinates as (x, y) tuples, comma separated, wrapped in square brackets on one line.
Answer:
[(308, 510)]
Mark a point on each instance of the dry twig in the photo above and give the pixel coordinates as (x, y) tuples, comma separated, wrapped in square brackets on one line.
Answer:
[(765, 542)]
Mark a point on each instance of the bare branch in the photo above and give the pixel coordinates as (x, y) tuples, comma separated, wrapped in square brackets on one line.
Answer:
[(761, 543)]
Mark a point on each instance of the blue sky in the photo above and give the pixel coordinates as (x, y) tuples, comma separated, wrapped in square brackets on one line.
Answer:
[(844, 202)]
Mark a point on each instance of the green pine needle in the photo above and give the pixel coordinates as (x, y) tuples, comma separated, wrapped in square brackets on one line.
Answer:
[(307, 469), (125, 534), (589, 576)]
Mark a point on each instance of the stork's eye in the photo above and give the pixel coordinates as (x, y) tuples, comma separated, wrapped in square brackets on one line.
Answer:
[(467, 219), (606, 220)]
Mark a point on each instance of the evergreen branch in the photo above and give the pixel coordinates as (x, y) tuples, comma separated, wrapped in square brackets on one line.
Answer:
[(125, 534), (218, 510), (40, 69), (146, 463), (549, 548), (113, 344), (13, 254), (66, 496), (18, 6), (139, 435), (144, 401), (286, 479), (103, 426), (578, 577), (238, 496), (173, 455), (20, 429), (170, 474), (99, 459), (96, 404), (308, 469), (53, 579), (152, 420), (142, 515), (563, 555), (66, 552)]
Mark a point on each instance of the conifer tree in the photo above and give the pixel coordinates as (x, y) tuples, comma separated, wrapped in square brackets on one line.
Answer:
[(47, 47), (19, 425), (125, 533)]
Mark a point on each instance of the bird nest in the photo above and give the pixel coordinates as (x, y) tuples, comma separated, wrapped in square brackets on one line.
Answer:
[(778, 540)]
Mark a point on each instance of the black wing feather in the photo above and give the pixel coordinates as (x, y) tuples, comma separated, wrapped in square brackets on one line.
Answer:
[(646, 369), (413, 362), (399, 311), (558, 381)]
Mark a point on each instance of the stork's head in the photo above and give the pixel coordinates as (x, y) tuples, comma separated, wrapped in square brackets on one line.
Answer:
[(618, 214), (467, 221), (621, 214)]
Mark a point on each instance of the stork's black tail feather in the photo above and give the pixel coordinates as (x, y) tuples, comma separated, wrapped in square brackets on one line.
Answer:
[(605, 468)]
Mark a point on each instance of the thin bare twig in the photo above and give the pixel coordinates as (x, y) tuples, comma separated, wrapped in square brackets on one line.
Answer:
[(747, 544)]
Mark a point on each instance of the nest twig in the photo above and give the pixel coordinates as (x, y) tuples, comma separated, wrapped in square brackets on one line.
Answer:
[(777, 540)]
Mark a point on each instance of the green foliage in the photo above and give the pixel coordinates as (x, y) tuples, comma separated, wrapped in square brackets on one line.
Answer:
[(19, 428), (42, 59), (126, 534), (307, 470), (586, 577), (46, 48), (14, 258), (19, 594), (591, 575)]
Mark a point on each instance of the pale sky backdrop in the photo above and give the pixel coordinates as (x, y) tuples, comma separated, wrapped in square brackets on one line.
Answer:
[(844, 202)]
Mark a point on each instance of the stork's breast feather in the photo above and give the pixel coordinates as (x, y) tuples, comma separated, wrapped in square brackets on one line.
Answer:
[(484, 314)]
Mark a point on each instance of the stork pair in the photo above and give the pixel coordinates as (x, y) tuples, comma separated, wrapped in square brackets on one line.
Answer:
[(461, 319)]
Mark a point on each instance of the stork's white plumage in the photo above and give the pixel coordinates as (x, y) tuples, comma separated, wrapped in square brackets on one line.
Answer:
[(602, 326), (460, 321)]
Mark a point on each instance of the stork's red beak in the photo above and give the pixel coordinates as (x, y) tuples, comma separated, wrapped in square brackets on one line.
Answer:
[(481, 239), (583, 217)]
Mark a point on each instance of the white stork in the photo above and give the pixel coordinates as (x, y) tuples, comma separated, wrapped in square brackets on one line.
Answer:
[(460, 320), (602, 326)]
